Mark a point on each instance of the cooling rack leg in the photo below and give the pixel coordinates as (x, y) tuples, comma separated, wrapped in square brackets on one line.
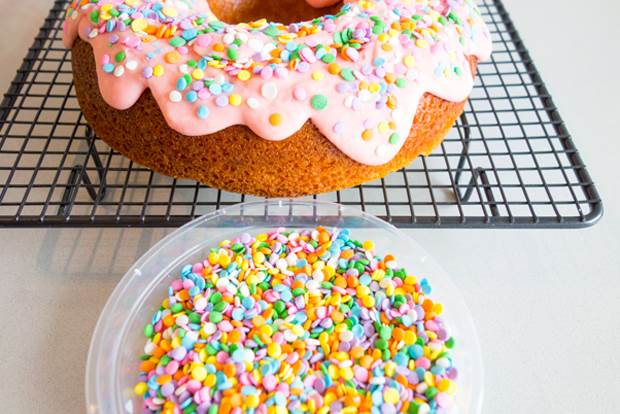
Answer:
[(79, 175), (478, 173)]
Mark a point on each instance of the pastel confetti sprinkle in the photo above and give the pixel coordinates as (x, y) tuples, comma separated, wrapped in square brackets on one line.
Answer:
[(308, 321)]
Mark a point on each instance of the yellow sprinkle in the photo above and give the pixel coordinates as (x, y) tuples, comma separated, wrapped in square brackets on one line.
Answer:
[(139, 25), (409, 61), (384, 127), (391, 396), (274, 350), (374, 87), (368, 245), (275, 119), (141, 388), (421, 43), (158, 70), (244, 75), (198, 74), (235, 99), (252, 401), (169, 11), (317, 76), (199, 373)]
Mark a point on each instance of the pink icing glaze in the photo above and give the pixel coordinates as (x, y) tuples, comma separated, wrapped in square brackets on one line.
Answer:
[(340, 123)]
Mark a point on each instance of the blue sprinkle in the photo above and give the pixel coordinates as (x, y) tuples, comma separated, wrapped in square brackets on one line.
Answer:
[(191, 96), (181, 84), (108, 68), (189, 34), (378, 62), (247, 302), (279, 398), (237, 314), (215, 89)]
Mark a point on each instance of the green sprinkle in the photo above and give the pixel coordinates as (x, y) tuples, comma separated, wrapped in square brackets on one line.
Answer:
[(394, 138), (328, 58), (319, 102), (401, 82), (381, 343), (215, 317), (94, 16), (176, 308), (431, 392), (148, 330), (231, 53), (177, 41), (450, 343), (385, 332), (216, 297), (347, 74), (298, 291), (271, 31), (120, 56)]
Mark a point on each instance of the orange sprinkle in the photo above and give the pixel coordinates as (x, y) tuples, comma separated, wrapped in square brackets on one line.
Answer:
[(275, 119)]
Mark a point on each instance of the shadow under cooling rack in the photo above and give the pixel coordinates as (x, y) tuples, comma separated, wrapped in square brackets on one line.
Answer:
[(508, 162)]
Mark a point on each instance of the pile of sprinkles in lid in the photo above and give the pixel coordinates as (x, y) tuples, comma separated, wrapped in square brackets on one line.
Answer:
[(308, 321), (358, 74)]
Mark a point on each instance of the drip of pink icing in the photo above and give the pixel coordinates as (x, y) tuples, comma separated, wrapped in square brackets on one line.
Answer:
[(341, 124)]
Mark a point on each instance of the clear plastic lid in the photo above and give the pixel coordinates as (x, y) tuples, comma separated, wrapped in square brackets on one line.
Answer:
[(118, 340)]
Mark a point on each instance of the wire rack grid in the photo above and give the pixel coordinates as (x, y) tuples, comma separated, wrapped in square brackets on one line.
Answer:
[(509, 161)]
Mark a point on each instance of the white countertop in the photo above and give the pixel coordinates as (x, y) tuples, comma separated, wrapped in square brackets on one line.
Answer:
[(546, 302)]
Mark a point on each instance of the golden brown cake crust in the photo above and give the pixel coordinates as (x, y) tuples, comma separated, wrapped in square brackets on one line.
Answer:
[(236, 159)]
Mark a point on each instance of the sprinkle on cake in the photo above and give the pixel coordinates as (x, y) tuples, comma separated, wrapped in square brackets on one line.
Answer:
[(369, 63)]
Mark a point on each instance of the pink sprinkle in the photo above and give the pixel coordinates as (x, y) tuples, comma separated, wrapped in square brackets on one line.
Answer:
[(270, 382), (193, 386), (172, 367), (443, 400), (105, 59), (308, 55), (204, 93), (266, 73), (352, 54), (300, 93), (361, 374), (183, 50), (203, 40), (281, 72), (225, 326)]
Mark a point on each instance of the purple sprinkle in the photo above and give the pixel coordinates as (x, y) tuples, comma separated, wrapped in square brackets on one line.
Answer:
[(338, 127), (221, 101)]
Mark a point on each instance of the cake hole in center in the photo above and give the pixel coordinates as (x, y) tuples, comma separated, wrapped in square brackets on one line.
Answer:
[(281, 11)]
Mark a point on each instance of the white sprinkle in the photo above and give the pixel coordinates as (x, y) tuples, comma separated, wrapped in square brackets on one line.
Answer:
[(381, 150), (269, 91), (364, 95), (184, 68), (93, 33), (253, 103), (118, 71), (229, 38), (242, 36), (175, 96), (348, 102), (131, 64), (255, 44)]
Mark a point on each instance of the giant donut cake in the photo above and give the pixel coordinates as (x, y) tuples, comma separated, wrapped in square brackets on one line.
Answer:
[(274, 109)]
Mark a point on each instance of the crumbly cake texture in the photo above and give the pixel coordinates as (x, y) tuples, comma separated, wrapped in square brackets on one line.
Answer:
[(297, 321), (342, 99)]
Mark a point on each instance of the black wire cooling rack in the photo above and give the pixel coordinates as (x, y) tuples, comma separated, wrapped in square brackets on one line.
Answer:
[(509, 161)]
